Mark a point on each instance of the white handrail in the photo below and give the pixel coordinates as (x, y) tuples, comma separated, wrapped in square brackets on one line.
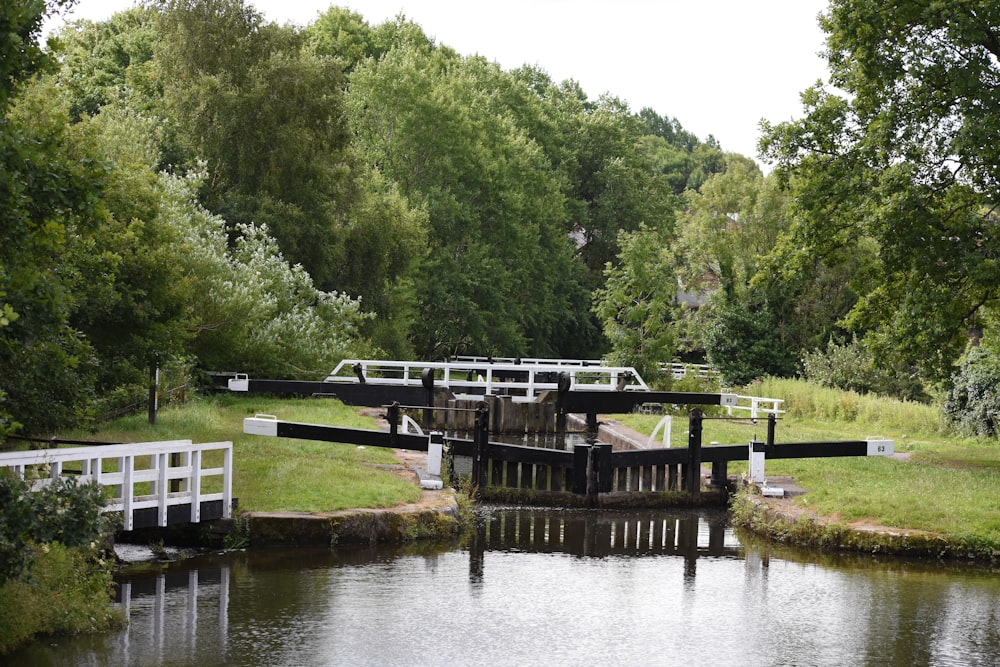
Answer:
[(132, 464), (490, 377), (665, 423), (758, 405)]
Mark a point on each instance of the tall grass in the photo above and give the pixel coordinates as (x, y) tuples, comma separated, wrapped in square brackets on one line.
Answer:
[(808, 401)]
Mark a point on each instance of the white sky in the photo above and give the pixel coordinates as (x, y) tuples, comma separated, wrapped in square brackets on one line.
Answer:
[(718, 66)]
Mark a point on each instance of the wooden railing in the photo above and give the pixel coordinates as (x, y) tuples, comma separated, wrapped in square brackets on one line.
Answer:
[(139, 476)]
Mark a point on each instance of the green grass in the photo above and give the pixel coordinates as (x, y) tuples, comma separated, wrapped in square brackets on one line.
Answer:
[(278, 474), (949, 485)]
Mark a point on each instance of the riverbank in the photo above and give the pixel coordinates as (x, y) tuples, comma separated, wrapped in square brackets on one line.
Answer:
[(437, 514)]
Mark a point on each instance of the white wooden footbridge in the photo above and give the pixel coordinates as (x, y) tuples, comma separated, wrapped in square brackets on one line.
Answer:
[(150, 483)]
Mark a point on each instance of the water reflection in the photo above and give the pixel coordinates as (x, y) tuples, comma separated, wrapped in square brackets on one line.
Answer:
[(560, 587), (602, 534)]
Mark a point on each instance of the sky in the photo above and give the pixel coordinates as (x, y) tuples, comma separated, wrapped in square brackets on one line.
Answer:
[(717, 66)]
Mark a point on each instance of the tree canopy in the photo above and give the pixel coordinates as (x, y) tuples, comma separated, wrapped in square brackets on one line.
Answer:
[(900, 151), (186, 184)]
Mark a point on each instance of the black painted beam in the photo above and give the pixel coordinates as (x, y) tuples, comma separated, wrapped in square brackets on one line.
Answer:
[(367, 394)]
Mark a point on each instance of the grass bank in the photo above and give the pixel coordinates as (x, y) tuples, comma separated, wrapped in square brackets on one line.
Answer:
[(947, 487), (278, 474)]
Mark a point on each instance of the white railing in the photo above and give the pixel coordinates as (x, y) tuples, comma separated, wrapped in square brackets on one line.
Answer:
[(472, 376), (757, 405), (131, 464), (527, 360), (679, 371)]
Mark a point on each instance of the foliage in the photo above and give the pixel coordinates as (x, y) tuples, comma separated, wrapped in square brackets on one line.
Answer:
[(68, 592), (20, 53), (636, 305), (434, 124), (60, 511), (52, 579), (679, 155), (48, 202), (852, 367), (744, 343), (901, 153), (972, 402)]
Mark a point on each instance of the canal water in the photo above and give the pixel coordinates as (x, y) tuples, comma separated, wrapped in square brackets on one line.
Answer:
[(551, 587)]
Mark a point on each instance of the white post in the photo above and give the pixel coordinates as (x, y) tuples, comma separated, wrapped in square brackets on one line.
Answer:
[(227, 481), (757, 461), (435, 447), (128, 468), (162, 488), (194, 459)]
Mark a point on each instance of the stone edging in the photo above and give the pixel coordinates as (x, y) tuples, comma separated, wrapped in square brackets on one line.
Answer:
[(436, 514)]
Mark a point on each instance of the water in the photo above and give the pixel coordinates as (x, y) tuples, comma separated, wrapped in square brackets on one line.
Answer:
[(551, 587)]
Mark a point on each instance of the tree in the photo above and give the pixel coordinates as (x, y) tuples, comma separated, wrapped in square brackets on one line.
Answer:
[(637, 303), (903, 153), (49, 201), (498, 276)]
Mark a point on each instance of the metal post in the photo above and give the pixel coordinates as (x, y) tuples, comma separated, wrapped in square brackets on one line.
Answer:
[(772, 421), (694, 453), (154, 390)]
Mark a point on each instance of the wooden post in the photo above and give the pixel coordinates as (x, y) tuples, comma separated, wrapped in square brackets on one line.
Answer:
[(694, 454), (581, 472), (481, 439), (427, 379), (392, 415), (603, 471), (720, 473)]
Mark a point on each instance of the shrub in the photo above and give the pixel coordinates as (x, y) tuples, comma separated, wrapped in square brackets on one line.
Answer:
[(52, 578), (973, 400), (743, 344), (68, 592), (63, 511), (853, 367)]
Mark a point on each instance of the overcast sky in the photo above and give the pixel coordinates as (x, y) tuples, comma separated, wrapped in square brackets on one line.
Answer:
[(718, 66)]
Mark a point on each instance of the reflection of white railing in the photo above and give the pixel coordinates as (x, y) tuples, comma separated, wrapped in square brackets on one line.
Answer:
[(122, 467), (171, 617), (757, 405), (528, 379)]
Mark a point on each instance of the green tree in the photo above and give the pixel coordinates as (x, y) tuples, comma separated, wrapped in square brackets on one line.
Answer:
[(637, 303), (902, 152), (499, 275), (49, 201)]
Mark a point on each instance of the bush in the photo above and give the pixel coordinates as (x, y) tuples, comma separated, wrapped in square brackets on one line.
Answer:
[(52, 578), (853, 367), (743, 344), (63, 511), (973, 401), (68, 592)]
